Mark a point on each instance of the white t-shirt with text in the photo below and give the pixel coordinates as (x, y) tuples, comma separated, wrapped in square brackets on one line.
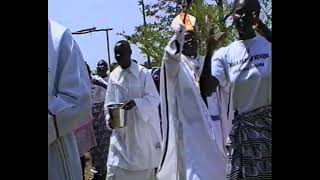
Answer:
[(245, 67)]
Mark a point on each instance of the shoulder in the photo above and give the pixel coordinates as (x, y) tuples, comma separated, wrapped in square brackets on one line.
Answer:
[(263, 42), (57, 31), (115, 72), (220, 53), (55, 28), (143, 69)]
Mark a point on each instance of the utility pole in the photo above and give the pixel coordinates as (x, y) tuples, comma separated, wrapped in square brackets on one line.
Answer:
[(145, 24), (90, 30)]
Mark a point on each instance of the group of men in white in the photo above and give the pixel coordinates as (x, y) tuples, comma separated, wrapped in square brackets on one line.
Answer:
[(188, 144)]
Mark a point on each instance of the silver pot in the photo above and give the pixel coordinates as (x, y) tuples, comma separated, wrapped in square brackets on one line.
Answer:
[(117, 116)]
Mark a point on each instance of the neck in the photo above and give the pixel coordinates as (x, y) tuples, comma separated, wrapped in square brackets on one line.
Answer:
[(127, 66), (247, 36)]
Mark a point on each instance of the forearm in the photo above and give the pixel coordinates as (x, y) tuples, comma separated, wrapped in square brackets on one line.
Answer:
[(147, 106), (265, 31), (208, 83), (102, 84), (172, 54), (206, 71), (69, 117)]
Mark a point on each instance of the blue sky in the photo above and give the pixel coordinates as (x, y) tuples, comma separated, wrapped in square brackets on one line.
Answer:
[(81, 14)]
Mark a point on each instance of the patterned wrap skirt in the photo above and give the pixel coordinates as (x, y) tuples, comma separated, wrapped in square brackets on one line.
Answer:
[(99, 153), (250, 146)]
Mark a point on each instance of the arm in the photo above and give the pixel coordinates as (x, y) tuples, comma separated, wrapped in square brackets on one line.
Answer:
[(262, 29), (150, 100), (100, 82), (71, 105), (110, 98), (171, 57), (209, 83)]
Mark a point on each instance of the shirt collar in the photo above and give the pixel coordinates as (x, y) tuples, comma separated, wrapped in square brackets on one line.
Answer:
[(134, 69)]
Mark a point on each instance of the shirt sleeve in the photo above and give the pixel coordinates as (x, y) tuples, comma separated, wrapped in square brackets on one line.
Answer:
[(71, 105), (110, 98), (218, 67), (101, 80), (172, 54), (148, 104)]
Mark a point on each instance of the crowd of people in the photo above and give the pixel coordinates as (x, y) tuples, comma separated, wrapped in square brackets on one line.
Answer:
[(194, 118)]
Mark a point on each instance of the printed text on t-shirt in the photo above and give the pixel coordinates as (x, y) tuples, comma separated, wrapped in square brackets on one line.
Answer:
[(249, 59)]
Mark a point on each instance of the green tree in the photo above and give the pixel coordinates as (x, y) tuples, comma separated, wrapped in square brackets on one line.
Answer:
[(153, 37)]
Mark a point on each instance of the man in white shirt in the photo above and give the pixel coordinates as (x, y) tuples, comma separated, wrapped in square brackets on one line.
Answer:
[(134, 149), (241, 73), (68, 102)]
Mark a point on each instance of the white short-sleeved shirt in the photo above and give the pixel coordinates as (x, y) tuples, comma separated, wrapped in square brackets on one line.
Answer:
[(245, 67), (98, 93)]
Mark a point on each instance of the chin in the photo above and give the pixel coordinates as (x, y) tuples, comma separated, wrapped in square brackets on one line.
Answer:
[(124, 67)]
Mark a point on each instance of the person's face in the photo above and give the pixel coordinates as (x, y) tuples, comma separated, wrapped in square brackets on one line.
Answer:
[(123, 55), (243, 18), (102, 68), (190, 45)]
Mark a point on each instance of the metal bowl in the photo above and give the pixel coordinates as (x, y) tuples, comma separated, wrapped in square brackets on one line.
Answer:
[(117, 116)]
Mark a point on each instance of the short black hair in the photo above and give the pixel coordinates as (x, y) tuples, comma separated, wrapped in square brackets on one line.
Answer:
[(103, 61), (255, 6), (122, 42)]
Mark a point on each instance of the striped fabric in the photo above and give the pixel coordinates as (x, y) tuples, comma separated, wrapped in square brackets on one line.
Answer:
[(250, 146)]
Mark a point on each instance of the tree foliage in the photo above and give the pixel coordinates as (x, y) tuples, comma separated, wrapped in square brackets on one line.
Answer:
[(153, 37)]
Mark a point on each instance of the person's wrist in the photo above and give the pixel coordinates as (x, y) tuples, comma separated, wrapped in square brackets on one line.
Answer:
[(134, 103)]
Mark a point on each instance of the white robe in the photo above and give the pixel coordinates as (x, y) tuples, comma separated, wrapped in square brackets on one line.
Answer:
[(189, 149), (136, 146), (216, 122), (68, 101)]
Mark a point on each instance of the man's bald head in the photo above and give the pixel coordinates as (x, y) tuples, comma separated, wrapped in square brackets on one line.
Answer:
[(102, 63), (122, 52)]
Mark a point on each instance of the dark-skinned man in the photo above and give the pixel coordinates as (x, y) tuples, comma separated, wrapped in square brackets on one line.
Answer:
[(241, 73), (134, 149)]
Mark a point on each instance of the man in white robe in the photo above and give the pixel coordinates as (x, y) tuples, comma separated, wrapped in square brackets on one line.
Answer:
[(135, 149), (189, 148), (68, 102)]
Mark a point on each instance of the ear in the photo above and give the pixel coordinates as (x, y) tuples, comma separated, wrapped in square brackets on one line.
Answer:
[(130, 52)]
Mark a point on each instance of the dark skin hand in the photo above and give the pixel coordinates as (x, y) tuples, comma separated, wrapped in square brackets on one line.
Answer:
[(129, 105)]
